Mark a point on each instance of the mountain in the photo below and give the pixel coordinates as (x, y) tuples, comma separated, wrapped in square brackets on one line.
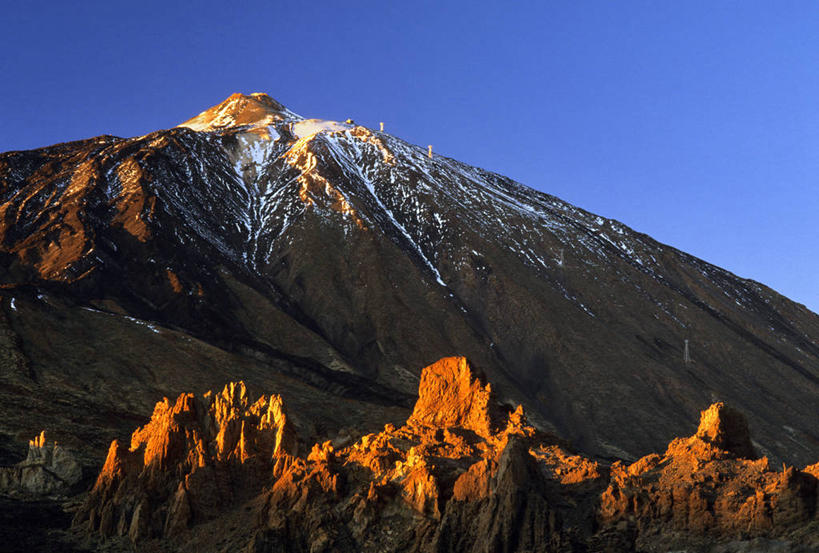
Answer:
[(327, 262)]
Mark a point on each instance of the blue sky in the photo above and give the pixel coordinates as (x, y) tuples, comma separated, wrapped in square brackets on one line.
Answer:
[(696, 122)]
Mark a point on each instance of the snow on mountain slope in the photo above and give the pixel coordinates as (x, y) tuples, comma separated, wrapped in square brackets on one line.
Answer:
[(409, 193)]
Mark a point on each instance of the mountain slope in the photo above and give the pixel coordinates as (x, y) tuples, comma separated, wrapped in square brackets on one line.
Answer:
[(340, 259)]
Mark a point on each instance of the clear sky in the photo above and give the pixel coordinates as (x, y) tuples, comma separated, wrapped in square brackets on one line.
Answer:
[(696, 122)]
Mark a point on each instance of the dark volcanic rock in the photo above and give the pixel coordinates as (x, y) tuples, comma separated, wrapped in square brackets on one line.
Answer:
[(34, 527), (514, 517)]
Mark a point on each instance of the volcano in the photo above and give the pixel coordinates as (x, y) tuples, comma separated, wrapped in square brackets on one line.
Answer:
[(330, 262)]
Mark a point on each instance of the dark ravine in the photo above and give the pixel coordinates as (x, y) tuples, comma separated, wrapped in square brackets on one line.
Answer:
[(328, 262)]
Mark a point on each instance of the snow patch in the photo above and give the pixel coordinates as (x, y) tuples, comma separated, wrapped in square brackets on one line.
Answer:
[(309, 127), (140, 322)]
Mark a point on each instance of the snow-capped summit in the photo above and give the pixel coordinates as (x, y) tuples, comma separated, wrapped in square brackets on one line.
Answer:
[(256, 110), (259, 112)]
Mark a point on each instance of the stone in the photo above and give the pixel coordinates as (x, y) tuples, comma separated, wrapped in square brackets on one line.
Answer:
[(453, 393), (726, 428), (46, 471)]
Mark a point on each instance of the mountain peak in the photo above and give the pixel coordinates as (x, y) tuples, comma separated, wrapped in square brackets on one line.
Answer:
[(238, 110)]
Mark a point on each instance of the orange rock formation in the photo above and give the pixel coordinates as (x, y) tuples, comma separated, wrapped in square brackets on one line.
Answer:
[(461, 475), (710, 487), (195, 456), (451, 393), (46, 471)]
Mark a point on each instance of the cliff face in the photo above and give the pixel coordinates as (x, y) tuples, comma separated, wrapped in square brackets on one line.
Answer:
[(451, 393), (462, 474)]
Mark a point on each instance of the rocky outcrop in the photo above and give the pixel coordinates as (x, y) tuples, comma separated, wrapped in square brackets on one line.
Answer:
[(709, 488), (726, 428), (421, 485), (462, 475), (195, 457), (47, 470), (458, 476), (453, 393), (511, 511)]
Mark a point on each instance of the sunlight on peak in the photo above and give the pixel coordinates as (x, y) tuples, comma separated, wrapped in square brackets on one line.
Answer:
[(239, 110)]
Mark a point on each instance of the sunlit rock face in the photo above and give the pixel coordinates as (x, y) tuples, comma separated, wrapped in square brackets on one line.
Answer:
[(192, 459), (239, 110), (711, 488), (451, 394), (473, 478), (727, 429), (186, 469)]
